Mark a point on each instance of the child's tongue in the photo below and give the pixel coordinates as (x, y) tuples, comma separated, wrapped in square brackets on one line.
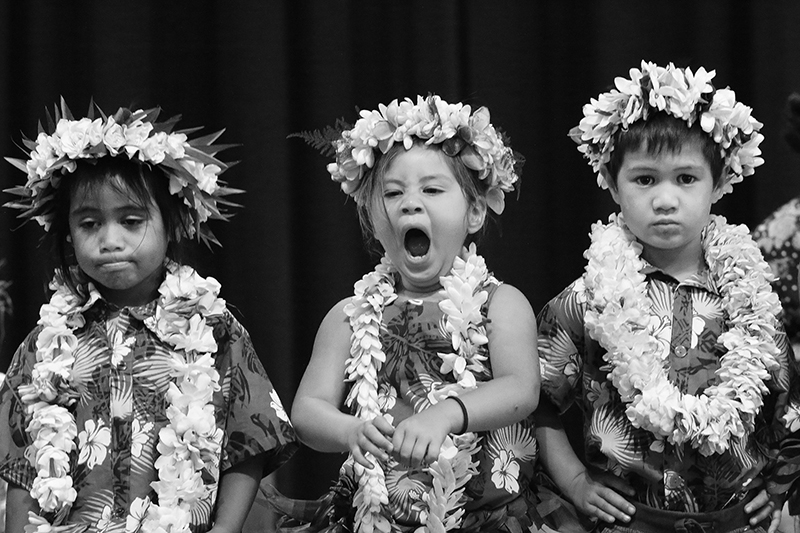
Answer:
[(417, 243)]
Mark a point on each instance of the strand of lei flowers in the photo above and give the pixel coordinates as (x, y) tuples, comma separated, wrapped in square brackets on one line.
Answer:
[(454, 467), (619, 318), (188, 443)]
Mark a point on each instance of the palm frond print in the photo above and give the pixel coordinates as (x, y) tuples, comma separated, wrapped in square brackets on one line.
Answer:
[(613, 437), (517, 439)]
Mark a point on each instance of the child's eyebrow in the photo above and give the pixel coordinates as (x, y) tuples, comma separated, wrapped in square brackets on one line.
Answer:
[(424, 179), (652, 166), (433, 177), (93, 209), (83, 210)]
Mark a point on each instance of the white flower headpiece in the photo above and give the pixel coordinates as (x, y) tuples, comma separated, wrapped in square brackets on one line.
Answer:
[(683, 94), (190, 164), (461, 133)]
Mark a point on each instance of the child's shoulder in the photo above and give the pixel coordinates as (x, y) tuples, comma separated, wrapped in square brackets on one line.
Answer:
[(28, 344), (508, 302), (569, 302), (337, 316)]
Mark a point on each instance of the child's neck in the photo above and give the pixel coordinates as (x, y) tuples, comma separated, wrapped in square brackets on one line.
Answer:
[(681, 264), (419, 292), (123, 298)]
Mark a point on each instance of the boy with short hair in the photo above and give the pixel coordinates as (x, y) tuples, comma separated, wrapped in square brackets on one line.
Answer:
[(669, 342)]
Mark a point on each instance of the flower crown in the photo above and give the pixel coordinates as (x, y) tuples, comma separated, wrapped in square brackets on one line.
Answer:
[(191, 165), (461, 133), (683, 94)]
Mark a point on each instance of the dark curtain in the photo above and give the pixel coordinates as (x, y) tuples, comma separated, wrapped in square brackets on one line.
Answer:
[(265, 69)]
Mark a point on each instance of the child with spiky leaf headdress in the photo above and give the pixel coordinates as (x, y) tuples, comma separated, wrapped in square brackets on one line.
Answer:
[(122, 409)]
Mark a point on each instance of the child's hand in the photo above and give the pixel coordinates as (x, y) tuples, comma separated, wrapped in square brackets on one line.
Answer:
[(418, 439), (371, 437), (599, 496), (764, 506)]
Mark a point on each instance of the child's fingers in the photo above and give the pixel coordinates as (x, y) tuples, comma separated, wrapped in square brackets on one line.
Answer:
[(420, 453), (383, 426), (760, 508), (602, 515), (757, 503), (378, 449), (377, 440), (404, 444), (359, 457), (433, 453), (611, 507), (775, 522)]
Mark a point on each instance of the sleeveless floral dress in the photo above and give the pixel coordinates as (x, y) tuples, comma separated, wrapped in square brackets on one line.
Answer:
[(412, 337)]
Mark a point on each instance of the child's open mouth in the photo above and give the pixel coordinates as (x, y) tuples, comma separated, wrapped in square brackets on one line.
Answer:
[(417, 242)]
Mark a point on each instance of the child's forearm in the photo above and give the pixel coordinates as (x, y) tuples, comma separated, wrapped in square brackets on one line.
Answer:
[(499, 402), (321, 426), (237, 490), (18, 502), (555, 450)]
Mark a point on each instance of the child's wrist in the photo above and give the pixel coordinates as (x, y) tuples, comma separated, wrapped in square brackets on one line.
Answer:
[(464, 415)]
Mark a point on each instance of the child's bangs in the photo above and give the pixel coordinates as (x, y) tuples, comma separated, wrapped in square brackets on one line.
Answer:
[(660, 134), (663, 133), (128, 180)]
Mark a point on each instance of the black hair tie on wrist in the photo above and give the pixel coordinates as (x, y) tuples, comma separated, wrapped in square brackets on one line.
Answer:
[(463, 412)]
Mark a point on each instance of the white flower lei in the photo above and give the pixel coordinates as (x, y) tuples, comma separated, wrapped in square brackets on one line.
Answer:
[(190, 441), (454, 467), (619, 318), (470, 136), (684, 94)]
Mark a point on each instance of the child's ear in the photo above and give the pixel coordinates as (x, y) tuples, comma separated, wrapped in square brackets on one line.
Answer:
[(476, 216), (612, 188), (717, 193)]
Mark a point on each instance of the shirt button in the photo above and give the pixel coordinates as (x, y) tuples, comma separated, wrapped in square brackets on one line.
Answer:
[(680, 351)]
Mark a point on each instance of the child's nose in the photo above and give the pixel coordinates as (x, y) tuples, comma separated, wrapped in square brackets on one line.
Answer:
[(111, 238), (665, 199), (411, 204)]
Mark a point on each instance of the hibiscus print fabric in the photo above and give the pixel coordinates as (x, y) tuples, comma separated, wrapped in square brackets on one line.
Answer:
[(121, 377), (412, 337), (779, 239)]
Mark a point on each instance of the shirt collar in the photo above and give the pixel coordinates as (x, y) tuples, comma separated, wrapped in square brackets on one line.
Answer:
[(102, 308), (701, 280)]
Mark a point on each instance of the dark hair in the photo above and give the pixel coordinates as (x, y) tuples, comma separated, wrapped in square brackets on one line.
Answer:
[(662, 131), (474, 189), (143, 183)]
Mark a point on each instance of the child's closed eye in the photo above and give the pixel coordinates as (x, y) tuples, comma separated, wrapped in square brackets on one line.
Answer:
[(133, 222), (88, 224), (391, 193)]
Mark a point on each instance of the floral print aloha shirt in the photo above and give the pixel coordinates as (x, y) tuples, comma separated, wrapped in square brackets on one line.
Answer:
[(121, 410), (690, 317)]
